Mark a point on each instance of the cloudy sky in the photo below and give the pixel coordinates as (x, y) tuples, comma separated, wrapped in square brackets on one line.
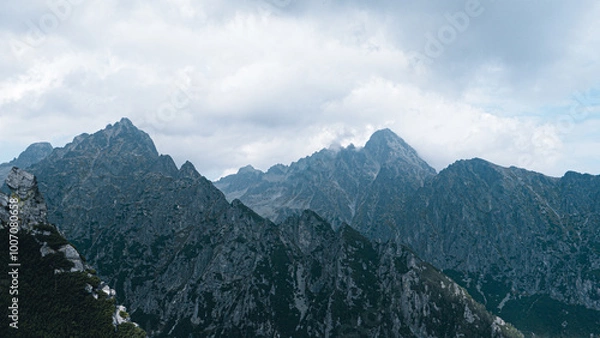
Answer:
[(229, 83)]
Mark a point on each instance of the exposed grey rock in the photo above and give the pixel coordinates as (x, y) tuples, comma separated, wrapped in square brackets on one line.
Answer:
[(348, 185), (24, 186), (23, 183), (118, 318), (4, 215), (111, 293), (73, 256), (46, 250)]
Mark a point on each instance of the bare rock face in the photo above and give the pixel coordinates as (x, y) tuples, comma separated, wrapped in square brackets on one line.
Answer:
[(33, 215), (4, 215), (348, 185), (72, 255), (523, 243), (24, 186), (22, 182)]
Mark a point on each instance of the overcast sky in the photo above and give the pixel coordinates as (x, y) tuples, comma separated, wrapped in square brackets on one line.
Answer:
[(230, 83)]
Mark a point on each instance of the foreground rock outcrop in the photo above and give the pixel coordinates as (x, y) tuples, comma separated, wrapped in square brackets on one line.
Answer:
[(53, 292)]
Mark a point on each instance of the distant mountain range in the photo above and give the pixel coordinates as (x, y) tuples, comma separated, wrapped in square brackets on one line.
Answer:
[(188, 263), (33, 154)]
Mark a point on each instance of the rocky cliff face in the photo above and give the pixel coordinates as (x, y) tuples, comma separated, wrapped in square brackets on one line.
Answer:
[(53, 292), (187, 263), (516, 238), (348, 185)]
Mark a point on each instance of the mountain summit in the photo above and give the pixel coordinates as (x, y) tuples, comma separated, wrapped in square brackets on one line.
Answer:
[(344, 186), (385, 145), (33, 154)]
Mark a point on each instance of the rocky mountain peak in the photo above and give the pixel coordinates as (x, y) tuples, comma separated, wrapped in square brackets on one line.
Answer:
[(122, 137), (474, 166), (488, 173), (187, 263), (117, 149), (385, 135), (386, 146), (278, 169), (385, 138), (188, 170), (125, 122), (249, 169), (342, 185), (125, 130), (33, 154), (123, 125)]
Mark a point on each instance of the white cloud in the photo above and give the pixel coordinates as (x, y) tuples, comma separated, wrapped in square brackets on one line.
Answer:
[(225, 84)]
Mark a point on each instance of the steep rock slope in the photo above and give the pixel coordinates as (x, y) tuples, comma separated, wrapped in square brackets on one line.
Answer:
[(526, 244), (53, 292), (348, 185), (378, 290), (188, 263)]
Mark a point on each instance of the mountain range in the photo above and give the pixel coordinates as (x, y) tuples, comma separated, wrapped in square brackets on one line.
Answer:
[(188, 263), (524, 244), (357, 241)]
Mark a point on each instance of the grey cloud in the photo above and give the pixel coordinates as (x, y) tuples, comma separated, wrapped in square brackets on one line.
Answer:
[(226, 84)]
